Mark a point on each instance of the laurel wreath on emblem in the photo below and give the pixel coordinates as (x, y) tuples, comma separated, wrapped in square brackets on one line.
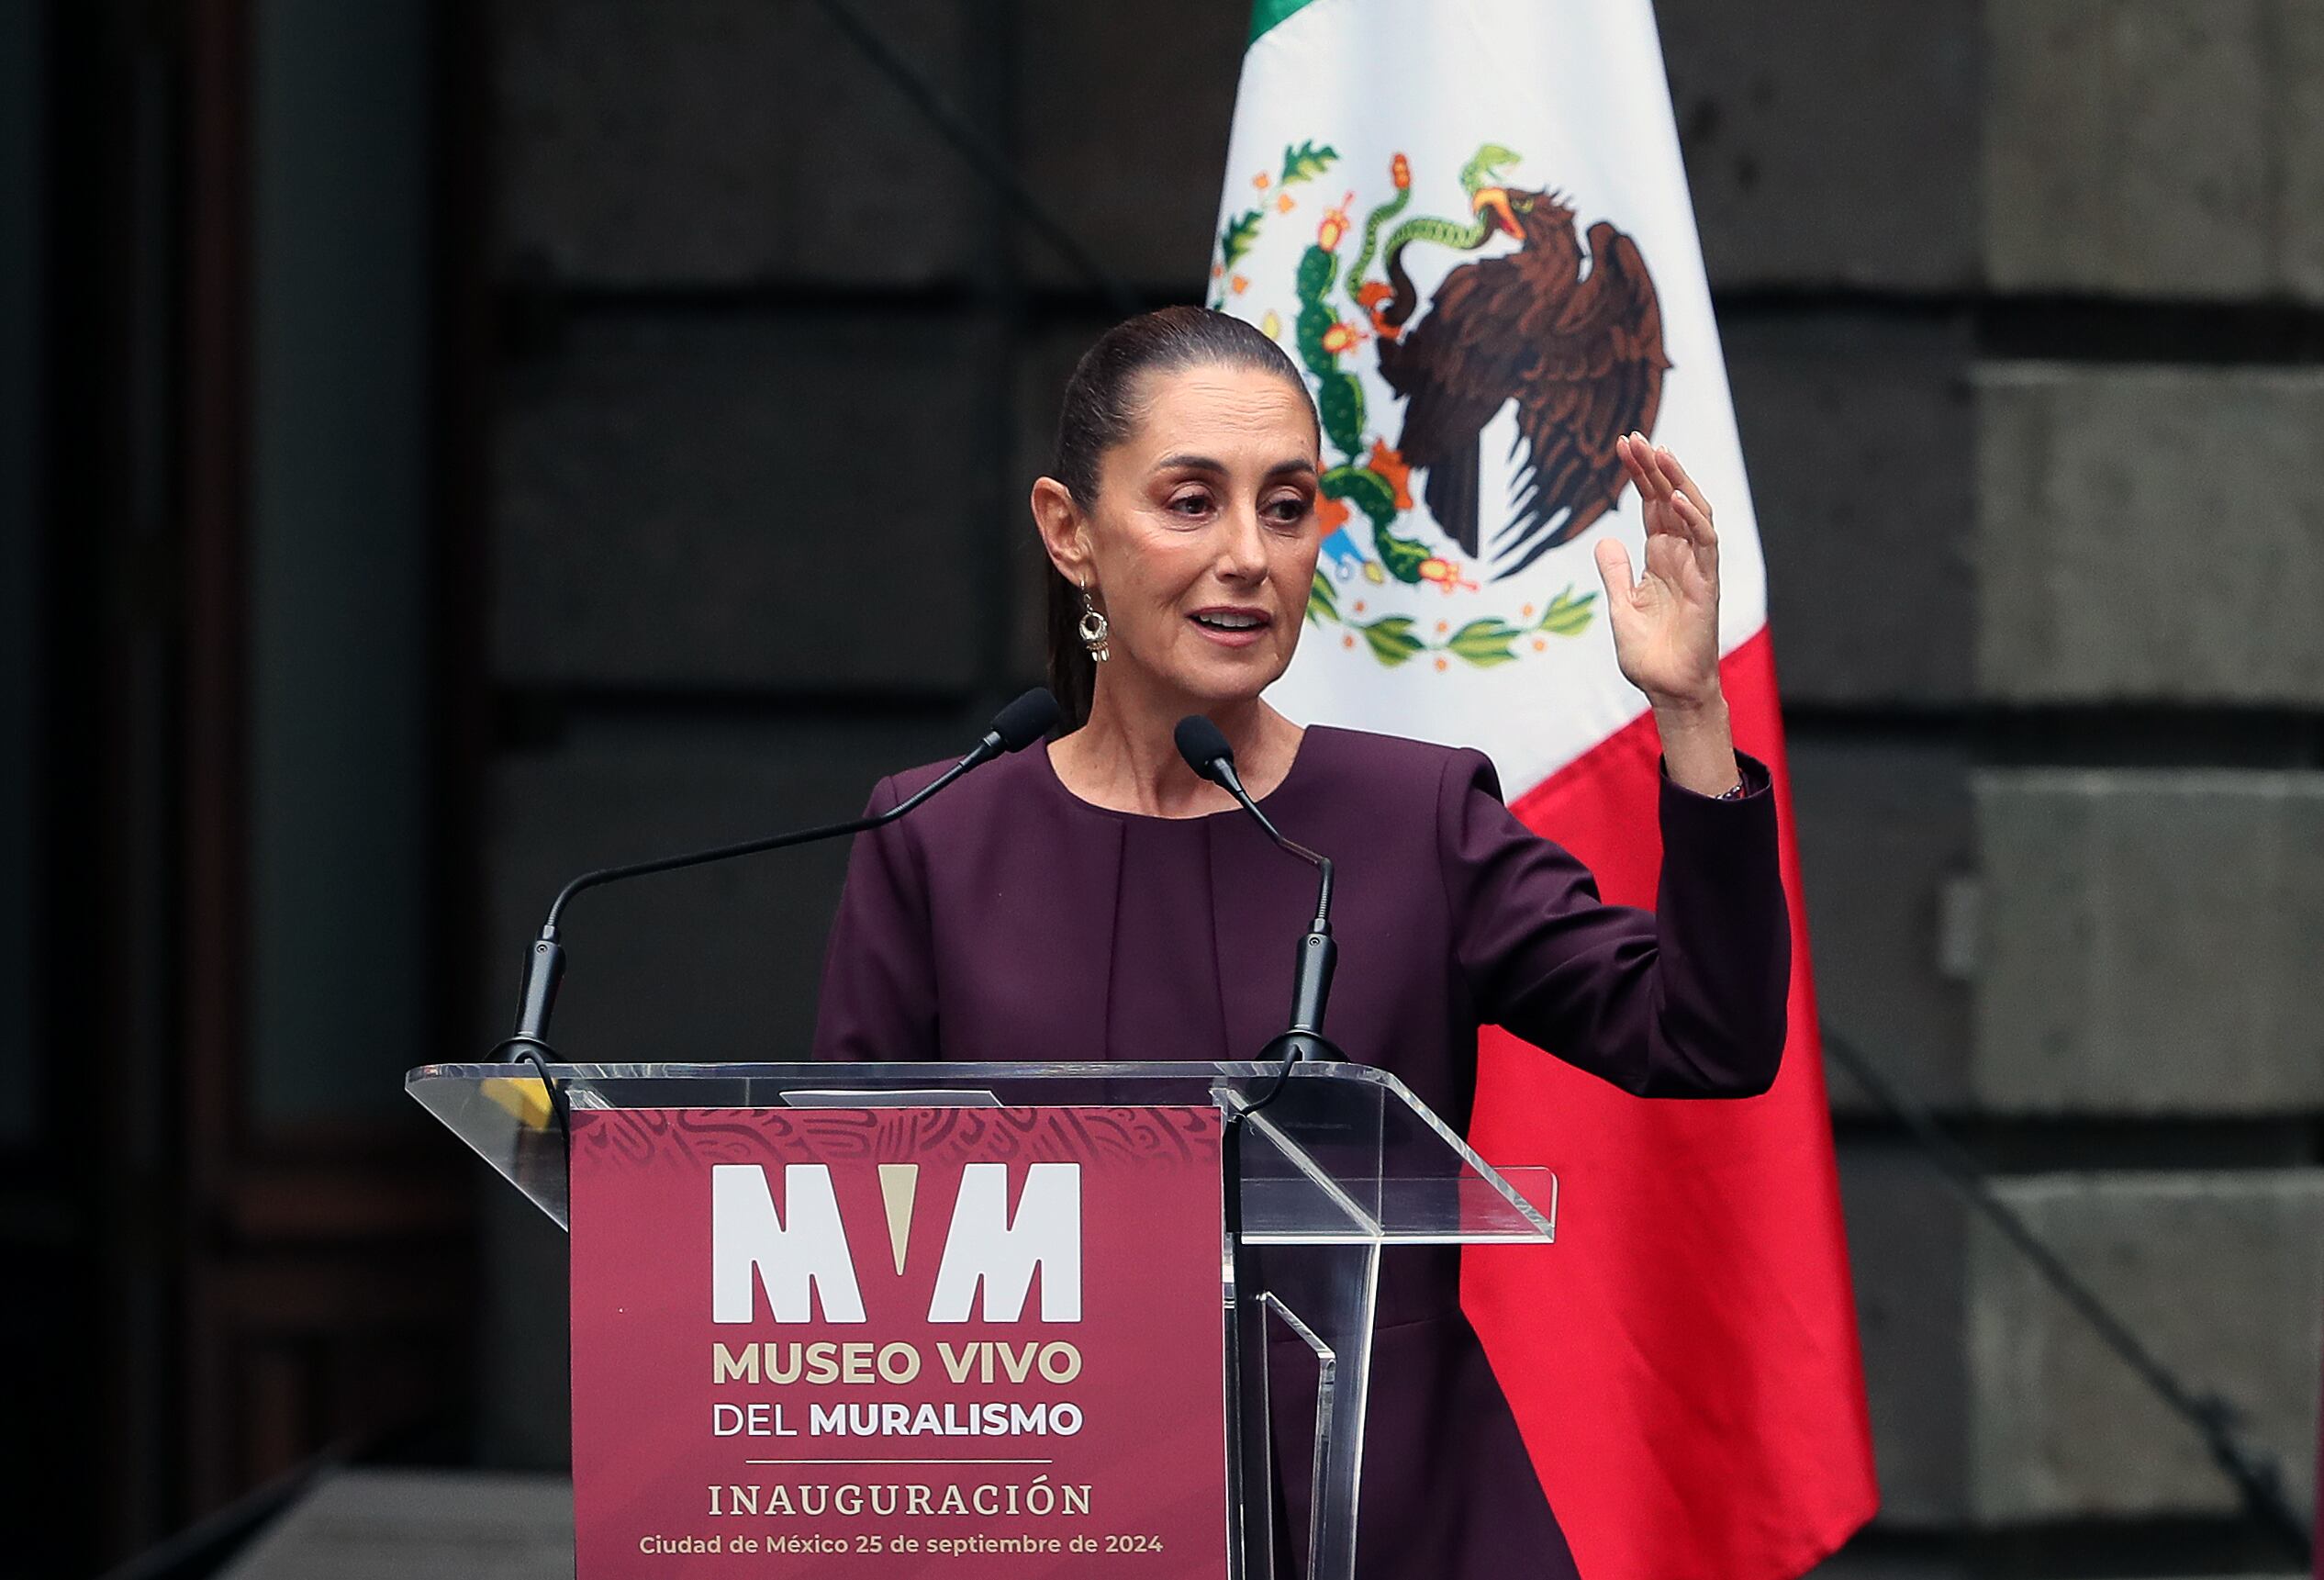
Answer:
[(1595, 374)]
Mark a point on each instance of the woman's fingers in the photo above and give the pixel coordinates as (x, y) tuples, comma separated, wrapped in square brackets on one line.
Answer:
[(1654, 490), (1676, 511), (1639, 459), (1633, 462), (1696, 520), (1658, 462), (1614, 569), (1686, 485), (1658, 472)]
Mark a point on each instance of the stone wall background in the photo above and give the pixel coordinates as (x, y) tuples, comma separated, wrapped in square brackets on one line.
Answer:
[(2024, 306)]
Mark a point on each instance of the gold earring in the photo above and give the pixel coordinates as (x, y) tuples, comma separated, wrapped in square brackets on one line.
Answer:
[(1093, 628)]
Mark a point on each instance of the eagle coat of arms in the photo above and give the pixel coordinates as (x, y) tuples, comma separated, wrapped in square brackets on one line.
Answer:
[(1563, 334)]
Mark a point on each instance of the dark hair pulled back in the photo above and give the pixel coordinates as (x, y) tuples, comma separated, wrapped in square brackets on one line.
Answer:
[(1099, 411)]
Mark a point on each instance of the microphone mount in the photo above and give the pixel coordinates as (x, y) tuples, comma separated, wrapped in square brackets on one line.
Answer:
[(1017, 725), (1203, 747)]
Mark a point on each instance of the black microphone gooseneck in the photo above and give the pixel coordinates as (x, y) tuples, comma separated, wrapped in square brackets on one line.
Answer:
[(1205, 748), (1016, 726)]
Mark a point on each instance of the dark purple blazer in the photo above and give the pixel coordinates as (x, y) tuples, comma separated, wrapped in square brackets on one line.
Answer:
[(1009, 919)]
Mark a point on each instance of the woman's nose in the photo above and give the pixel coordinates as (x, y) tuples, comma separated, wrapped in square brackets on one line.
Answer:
[(1242, 551)]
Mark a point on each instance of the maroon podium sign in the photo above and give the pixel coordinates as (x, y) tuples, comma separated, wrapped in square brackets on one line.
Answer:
[(898, 1342)]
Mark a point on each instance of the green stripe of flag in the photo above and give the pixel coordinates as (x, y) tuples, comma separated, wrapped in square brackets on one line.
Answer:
[(1265, 14)]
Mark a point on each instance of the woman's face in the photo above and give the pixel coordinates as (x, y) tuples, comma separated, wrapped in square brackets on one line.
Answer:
[(1201, 542)]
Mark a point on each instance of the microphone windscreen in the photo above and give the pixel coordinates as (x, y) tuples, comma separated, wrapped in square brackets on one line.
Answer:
[(1204, 745), (1026, 720)]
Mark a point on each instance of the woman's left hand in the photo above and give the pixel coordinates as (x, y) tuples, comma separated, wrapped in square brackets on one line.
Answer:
[(1666, 624)]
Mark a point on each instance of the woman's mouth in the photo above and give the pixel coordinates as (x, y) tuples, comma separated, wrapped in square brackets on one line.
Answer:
[(1232, 627)]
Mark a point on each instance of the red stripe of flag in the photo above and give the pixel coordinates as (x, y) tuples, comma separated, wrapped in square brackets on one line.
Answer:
[(1690, 1388)]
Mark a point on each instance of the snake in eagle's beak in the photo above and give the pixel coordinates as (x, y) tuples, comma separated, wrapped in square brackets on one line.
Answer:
[(1497, 199)]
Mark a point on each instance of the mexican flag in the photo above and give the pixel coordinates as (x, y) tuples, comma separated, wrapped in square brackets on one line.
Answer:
[(1469, 225)]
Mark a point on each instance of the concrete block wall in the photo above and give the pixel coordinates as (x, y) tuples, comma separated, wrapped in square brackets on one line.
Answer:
[(2020, 304), (646, 446), (721, 142), (1830, 145), (2204, 1266), (2020, 319), (2096, 582), (2019, 1417), (2150, 942), (2156, 149), (753, 425), (2023, 301)]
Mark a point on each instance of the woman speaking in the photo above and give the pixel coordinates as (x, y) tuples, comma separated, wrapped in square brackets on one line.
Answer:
[(1099, 900)]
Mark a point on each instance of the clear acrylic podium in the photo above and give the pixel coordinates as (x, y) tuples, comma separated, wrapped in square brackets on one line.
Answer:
[(1337, 1165)]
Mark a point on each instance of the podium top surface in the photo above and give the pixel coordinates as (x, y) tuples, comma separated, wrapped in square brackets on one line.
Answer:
[(1342, 1153)]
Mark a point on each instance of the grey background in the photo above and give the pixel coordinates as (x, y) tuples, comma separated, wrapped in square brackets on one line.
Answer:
[(2024, 308), (19, 441), (2020, 305)]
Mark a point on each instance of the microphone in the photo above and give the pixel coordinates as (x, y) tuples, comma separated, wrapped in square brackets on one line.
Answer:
[(1016, 726), (1205, 748)]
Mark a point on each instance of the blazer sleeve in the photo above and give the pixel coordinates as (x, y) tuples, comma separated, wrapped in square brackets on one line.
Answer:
[(880, 980), (1684, 1000)]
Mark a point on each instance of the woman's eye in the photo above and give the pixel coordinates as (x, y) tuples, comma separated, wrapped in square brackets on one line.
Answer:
[(1195, 504), (1290, 511)]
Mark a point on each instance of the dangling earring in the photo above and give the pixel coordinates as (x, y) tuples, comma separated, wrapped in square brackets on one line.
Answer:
[(1093, 628)]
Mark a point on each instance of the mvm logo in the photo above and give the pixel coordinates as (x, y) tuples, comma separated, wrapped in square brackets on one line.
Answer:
[(801, 1254)]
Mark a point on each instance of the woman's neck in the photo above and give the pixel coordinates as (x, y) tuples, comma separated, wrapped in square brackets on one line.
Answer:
[(1126, 758)]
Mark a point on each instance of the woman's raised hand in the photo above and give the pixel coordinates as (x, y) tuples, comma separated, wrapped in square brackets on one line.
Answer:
[(1666, 623)]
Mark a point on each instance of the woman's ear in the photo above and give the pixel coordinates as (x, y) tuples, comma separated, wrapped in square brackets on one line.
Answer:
[(1059, 520)]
